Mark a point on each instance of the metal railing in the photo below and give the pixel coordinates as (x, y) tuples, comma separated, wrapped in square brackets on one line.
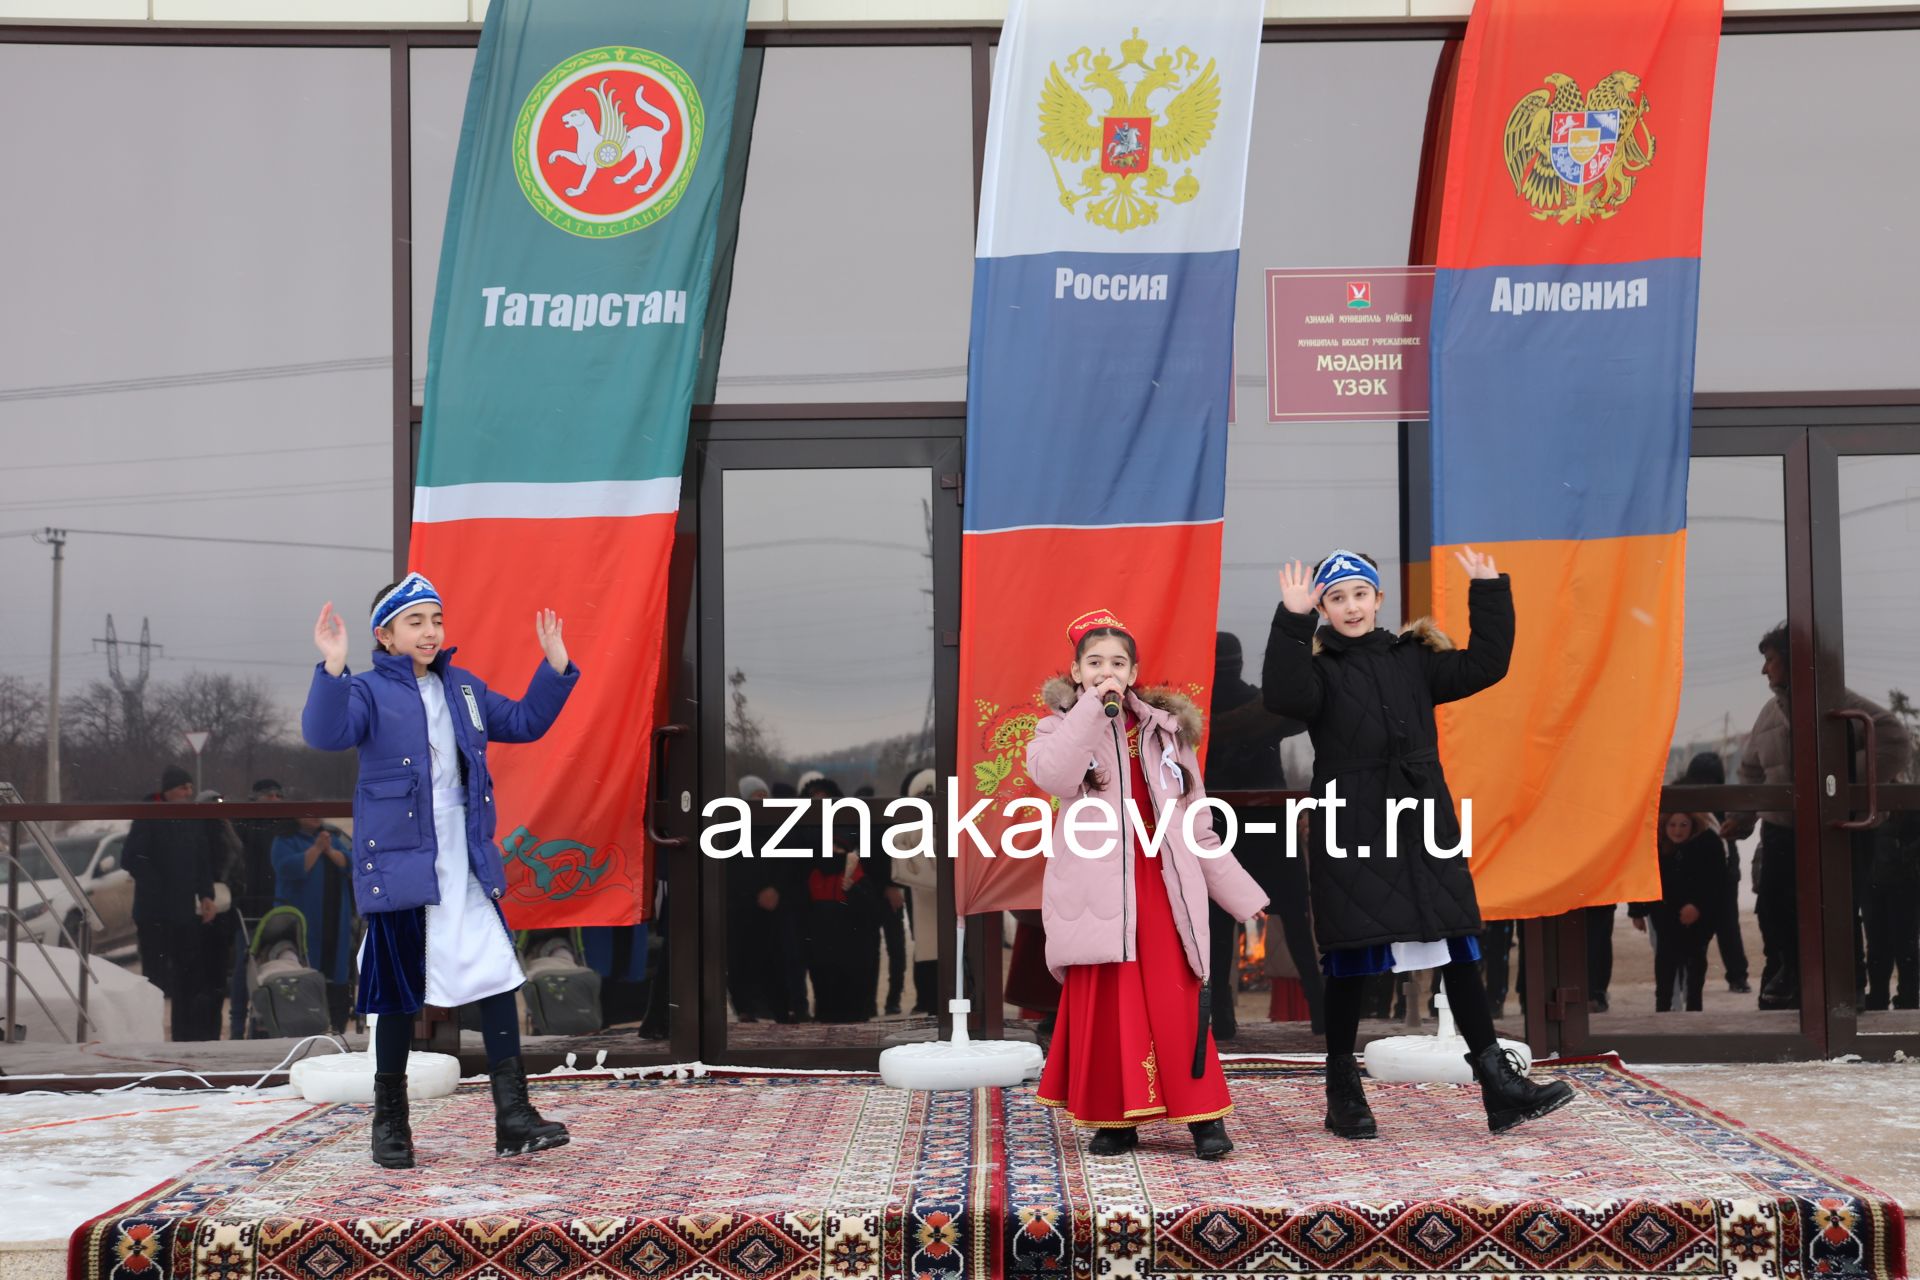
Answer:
[(80, 941)]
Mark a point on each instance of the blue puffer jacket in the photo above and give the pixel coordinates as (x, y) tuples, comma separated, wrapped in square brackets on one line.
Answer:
[(381, 712)]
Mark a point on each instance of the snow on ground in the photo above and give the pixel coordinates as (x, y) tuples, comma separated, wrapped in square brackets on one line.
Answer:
[(68, 1157)]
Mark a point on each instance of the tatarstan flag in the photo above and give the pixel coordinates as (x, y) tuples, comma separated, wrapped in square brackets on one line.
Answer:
[(1563, 336), (566, 336)]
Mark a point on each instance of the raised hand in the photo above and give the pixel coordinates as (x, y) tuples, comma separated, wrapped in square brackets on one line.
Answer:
[(546, 628), (1476, 565), (330, 638), (1297, 591)]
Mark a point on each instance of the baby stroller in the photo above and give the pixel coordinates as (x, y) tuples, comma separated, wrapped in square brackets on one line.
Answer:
[(563, 994), (288, 996)]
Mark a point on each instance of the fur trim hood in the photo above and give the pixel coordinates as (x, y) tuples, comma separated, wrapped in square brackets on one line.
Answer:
[(1424, 630), (1060, 693)]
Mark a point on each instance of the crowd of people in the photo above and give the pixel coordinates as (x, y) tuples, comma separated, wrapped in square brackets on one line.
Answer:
[(805, 936), (202, 885)]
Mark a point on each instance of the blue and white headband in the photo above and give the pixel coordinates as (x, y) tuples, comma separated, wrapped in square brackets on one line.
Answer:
[(411, 590), (1346, 566)]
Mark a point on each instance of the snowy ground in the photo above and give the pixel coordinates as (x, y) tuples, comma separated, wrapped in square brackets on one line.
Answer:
[(67, 1157)]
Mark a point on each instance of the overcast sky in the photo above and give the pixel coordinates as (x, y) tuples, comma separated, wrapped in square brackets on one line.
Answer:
[(197, 337)]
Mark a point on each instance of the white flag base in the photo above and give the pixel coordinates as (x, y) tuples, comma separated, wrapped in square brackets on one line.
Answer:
[(961, 1063), (1440, 1058), (348, 1077)]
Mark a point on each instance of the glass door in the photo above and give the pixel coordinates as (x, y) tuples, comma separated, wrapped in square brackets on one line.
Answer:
[(827, 619), (1866, 519)]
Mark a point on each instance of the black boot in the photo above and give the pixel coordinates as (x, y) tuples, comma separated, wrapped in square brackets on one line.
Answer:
[(392, 1134), (1210, 1140), (1348, 1114), (1512, 1098), (1114, 1142), (518, 1129)]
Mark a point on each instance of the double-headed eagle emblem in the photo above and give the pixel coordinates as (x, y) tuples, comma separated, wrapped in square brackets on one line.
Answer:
[(1129, 144), (1577, 159)]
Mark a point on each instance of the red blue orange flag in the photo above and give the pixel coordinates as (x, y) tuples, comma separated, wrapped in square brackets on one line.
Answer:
[(1563, 336)]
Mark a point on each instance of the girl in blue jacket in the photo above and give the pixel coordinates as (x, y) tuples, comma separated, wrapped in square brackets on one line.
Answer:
[(426, 875)]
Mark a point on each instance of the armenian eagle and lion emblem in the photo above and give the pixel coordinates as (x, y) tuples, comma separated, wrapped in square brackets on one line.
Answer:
[(1130, 144), (1576, 158)]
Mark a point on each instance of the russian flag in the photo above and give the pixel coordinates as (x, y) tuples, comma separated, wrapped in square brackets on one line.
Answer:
[(1563, 336), (1099, 378)]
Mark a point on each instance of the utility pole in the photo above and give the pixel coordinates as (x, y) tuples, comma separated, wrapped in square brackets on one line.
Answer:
[(57, 539)]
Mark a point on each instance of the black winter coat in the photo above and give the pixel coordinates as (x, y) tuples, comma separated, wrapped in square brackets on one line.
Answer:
[(173, 865), (1693, 873), (1368, 704)]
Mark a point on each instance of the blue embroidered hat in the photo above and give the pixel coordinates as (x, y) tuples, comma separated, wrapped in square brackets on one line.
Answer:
[(409, 591), (1346, 566)]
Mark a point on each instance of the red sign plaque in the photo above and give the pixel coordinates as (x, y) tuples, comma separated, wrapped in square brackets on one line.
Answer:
[(1348, 344)]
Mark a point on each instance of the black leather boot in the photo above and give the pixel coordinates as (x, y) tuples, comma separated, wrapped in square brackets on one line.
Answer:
[(392, 1134), (1114, 1142), (1512, 1098), (1348, 1114), (518, 1129), (1210, 1140)]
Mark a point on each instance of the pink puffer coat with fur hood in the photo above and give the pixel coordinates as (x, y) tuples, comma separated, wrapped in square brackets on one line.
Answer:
[(1087, 904)]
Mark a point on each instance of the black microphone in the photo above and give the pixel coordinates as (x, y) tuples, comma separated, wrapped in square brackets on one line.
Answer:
[(1111, 701)]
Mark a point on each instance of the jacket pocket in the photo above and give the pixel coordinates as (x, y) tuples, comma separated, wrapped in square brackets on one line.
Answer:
[(388, 816)]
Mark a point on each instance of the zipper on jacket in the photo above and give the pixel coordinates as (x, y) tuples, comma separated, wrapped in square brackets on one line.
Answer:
[(1171, 861), (1126, 843)]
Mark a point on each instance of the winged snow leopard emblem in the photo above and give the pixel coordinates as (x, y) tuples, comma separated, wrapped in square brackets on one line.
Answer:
[(1130, 144)]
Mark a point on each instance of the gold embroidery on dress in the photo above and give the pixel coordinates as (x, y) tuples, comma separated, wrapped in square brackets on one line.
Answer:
[(1153, 1069), (1133, 742)]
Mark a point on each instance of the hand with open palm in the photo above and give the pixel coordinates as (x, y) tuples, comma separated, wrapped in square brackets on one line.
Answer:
[(330, 637)]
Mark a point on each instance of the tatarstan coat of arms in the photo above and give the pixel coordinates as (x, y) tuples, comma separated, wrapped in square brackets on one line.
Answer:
[(1158, 114), (1575, 158)]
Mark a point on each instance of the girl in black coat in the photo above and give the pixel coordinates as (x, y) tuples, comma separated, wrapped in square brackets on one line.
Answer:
[(1693, 872), (1386, 897)]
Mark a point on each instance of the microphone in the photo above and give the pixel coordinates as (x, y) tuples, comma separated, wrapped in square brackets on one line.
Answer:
[(1111, 701)]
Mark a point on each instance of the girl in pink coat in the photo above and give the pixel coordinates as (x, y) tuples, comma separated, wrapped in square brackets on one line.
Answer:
[(1126, 922)]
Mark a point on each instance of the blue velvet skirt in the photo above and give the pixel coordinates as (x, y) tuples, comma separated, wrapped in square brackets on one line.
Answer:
[(393, 962), (1365, 962)]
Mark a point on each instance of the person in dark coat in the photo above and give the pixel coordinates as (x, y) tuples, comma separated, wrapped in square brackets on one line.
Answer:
[(171, 862), (1383, 900), (1707, 769), (1693, 867), (1243, 754)]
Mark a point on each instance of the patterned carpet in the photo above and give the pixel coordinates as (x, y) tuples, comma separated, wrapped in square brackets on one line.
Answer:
[(782, 1177)]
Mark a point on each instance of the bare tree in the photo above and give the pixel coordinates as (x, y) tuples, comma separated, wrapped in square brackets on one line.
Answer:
[(23, 712), (238, 714)]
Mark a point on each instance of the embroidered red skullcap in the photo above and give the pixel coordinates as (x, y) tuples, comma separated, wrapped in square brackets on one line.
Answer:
[(1093, 620)]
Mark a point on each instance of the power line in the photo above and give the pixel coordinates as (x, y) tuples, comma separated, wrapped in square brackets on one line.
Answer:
[(198, 457), (356, 485), (249, 542), (167, 381)]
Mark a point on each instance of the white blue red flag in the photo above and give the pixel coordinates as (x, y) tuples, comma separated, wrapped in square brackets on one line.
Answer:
[(1100, 372)]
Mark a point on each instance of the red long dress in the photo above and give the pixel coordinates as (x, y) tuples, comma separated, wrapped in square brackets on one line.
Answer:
[(1122, 1051)]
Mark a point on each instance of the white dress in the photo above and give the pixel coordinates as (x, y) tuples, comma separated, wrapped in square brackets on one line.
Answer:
[(469, 951)]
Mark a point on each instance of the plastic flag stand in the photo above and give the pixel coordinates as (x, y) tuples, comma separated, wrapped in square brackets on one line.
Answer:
[(1440, 1058), (348, 1077), (961, 1063)]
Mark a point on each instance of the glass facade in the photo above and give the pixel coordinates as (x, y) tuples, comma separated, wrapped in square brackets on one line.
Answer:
[(199, 392)]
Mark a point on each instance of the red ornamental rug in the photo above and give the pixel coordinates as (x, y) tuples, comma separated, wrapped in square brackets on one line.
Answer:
[(733, 1177), (1631, 1179), (842, 1178)]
